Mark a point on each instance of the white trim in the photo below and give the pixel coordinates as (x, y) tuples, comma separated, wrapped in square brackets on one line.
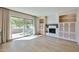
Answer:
[(63, 31), (67, 39)]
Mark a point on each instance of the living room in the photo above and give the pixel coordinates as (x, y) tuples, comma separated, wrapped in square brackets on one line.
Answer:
[(48, 28)]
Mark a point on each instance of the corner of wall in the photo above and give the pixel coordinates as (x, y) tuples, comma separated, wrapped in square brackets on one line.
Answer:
[(78, 42)]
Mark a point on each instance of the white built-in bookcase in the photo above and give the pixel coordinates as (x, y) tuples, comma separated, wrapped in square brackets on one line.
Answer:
[(67, 27)]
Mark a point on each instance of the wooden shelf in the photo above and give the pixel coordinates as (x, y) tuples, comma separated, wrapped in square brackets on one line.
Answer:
[(41, 21), (67, 18)]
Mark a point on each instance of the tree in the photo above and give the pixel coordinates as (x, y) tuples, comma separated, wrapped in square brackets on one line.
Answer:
[(28, 21), (19, 22)]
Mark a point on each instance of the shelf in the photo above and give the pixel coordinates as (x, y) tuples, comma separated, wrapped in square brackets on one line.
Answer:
[(41, 21), (67, 27), (67, 18)]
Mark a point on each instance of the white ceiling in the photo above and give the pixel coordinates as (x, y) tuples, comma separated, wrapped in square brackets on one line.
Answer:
[(41, 11)]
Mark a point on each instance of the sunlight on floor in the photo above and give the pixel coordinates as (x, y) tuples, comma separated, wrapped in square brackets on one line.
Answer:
[(29, 37)]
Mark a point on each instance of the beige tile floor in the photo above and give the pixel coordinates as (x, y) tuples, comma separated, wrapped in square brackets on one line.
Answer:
[(40, 44)]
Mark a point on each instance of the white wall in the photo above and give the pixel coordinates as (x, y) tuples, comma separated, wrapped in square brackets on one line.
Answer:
[(52, 19), (77, 27)]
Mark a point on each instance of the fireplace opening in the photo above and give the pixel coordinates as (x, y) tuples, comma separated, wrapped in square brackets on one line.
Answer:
[(52, 30)]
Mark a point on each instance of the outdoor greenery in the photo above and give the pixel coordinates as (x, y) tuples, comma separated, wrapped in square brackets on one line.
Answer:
[(19, 22)]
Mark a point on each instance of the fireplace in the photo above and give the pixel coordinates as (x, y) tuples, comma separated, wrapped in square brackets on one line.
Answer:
[(52, 30)]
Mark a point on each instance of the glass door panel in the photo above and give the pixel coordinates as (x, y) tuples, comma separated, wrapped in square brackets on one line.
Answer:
[(20, 27), (28, 29), (17, 27)]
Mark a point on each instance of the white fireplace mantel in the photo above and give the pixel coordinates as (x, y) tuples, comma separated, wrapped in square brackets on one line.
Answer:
[(52, 34)]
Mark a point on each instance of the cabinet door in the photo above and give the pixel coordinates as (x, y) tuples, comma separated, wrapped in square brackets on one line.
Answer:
[(72, 27), (61, 34), (72, 36), (66, 35), (66, 27), (72, 31), (61, 29)]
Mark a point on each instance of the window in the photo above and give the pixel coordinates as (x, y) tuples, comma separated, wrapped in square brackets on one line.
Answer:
[(20, 27)]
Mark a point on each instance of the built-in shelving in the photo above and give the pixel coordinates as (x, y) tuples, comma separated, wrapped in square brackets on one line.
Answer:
[(67, 26), (42, 23)]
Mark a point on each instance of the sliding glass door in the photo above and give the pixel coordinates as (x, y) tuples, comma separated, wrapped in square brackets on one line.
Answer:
[(20, 27), (28, 27)]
